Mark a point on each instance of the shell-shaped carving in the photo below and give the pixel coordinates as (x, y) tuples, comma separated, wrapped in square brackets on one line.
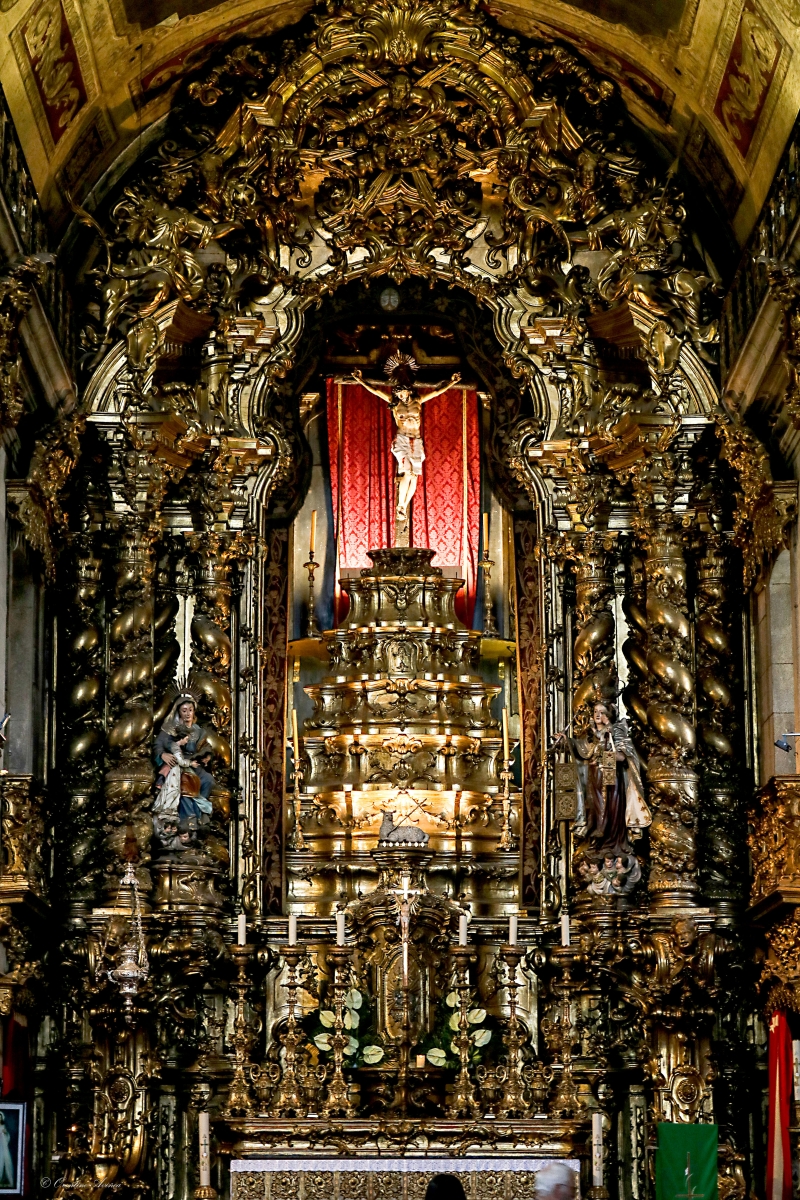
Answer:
[(84, 641), (716, 689), (661, 612), (134, 727), (130, 674), (213, 638), (713, 635), (82, 742), (716, 740), (671, 726), (85, 691), (593, 634), (635, 656), (671, 674)]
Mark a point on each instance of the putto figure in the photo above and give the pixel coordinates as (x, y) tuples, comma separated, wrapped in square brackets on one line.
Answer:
[(611, 806), (406, 405)]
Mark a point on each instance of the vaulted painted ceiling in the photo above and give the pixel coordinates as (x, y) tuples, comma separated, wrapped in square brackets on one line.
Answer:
[(716, 81)]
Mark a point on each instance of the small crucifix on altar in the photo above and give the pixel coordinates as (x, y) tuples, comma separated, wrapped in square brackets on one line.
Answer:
[(407, 447)]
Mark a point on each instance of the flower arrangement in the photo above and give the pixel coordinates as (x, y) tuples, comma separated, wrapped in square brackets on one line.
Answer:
[(363, 1044), (440, 1047)]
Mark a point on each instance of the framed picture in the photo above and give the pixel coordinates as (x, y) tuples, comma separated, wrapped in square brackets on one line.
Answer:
[(12, 1148)]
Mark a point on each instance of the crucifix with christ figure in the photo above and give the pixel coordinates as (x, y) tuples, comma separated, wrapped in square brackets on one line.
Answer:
[(407, 447)]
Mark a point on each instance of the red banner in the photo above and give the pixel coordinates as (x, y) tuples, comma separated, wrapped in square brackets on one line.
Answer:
[(446, 507), (779, 1155)]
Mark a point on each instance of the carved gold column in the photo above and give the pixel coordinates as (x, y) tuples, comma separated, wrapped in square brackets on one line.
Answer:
[(722, 834), (82, 721), (129, 777), (211, 632), (672, 778), (594, 670)]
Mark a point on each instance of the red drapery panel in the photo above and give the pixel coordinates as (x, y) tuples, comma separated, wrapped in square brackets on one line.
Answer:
[(446, 510), (363, 511), (779, 1156), (446, 507)]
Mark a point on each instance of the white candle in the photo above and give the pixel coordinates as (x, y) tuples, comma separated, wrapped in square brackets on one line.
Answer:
[(597, 1149), (513, 922), (462, 929), (241, 929), (295, 738), (565, 929), (292, 938), (405, 964), (505, 736), (312, 541), (203, 1131), (486, 535), (340, 927)]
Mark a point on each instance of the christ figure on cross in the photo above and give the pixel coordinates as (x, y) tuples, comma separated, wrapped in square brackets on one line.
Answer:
[(406, 405)]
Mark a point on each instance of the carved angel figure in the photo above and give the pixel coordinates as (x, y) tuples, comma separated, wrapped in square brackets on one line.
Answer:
[(611, 804)]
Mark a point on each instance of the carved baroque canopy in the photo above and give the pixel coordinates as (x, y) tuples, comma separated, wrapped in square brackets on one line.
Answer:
[(411, 139)]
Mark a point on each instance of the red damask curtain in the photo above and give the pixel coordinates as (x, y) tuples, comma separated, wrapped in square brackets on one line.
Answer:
[(446, 508)]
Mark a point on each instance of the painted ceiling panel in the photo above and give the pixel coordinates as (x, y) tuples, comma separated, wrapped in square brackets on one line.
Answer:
[(716, 82)]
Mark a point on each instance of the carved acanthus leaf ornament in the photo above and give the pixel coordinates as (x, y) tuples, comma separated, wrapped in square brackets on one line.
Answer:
[(410, 138)]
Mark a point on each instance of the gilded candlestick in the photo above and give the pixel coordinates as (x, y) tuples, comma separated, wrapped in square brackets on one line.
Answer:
[(489, 624), (312, 628), (337, 1101), (240, 1102), (463, 1102), (289, 1101), (513, 1102)]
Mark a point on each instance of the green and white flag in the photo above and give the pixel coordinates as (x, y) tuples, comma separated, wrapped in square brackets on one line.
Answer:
[(686, 1162)]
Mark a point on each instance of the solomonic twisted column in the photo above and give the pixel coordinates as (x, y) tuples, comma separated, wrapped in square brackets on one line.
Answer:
[(672, 778)]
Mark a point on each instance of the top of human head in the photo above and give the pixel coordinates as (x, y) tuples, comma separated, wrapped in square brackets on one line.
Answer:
[(445, 1187), (556, 1181)]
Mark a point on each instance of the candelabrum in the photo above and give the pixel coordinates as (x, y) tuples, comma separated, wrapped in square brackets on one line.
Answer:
[(463, 1102), (506, 775), (312, 629), (240, 1102), (567, 1101), (297, 840), (289, 1101), (337, 1099), (513, 1101), (486, 564)]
